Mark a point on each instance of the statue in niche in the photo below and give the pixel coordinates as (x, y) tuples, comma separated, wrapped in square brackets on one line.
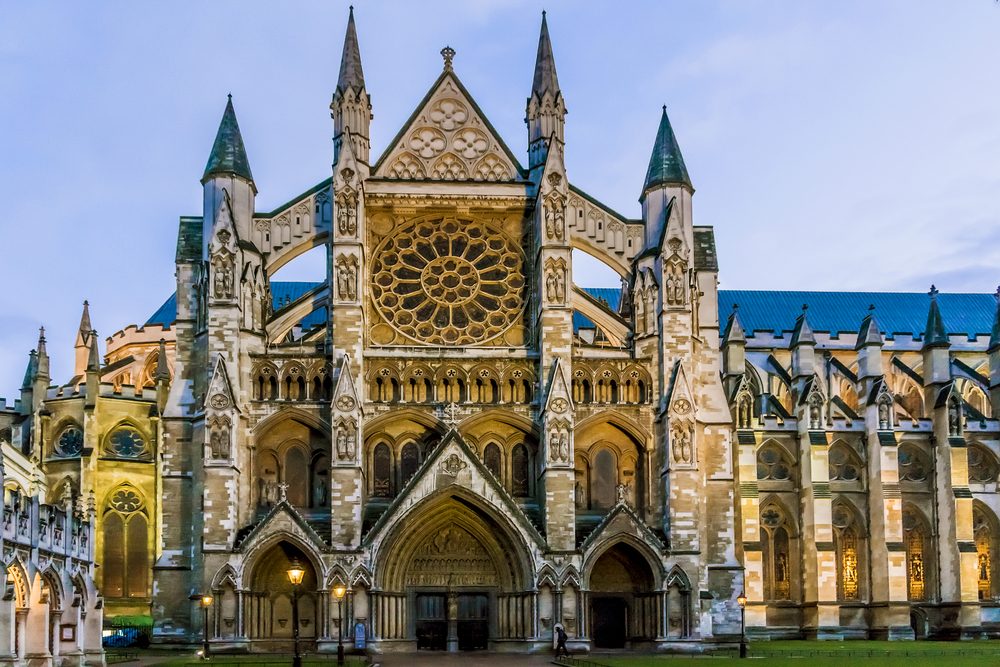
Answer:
[(743, 412), (578, 495), (674, 283), (883, 416), (319, 491), (682, 446), (559, 446), (347, 217), (345, 442), (640, 312), (815, 412), (223, 278), (559, 284), (554, 220), (347, 279), (954, 418)]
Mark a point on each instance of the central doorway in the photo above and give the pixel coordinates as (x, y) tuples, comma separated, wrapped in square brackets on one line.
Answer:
[(620, 583), (610, 618), (473, 621)]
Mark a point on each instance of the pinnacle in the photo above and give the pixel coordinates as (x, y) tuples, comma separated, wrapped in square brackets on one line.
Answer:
[(803, 333), (934, 333), (545, 64), (666, 164), (351, 73), (229, 156), (734, 328), (869, 333)]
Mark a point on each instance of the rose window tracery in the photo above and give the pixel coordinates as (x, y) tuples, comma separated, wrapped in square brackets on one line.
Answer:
[(450, 282)]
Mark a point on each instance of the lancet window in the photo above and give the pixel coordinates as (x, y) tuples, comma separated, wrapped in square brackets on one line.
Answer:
[(776, 547), (916, 540), (984, 528), (847, 537), (125, 565)]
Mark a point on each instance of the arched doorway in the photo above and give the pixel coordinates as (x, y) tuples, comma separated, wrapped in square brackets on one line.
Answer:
[(269, 602), (452, 576), (621, 587)]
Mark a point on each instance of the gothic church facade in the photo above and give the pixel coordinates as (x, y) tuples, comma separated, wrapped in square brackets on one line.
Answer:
[(477, 449)]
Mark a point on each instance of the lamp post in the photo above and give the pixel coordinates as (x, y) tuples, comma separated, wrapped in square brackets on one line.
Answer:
[(742, 600), (295, 574), (206, 602), (339, 591)]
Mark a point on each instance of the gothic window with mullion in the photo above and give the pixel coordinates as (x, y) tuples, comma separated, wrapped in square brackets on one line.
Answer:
[(848, 540), (984, 526), (776, 545), (125, 562), (919, 555)]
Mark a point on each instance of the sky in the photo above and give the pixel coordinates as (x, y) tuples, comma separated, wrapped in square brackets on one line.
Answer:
[(833, 146)]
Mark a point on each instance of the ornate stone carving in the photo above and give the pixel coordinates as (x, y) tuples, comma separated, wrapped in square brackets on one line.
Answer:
[(448, 282), (555, 217), (219, 401), (559, 450), (449, 114), (345, 403), (555, 281), (681, 444), (347, 277), (347, 214), (220, 437), (345, 438), (222, 274), (453, 465)]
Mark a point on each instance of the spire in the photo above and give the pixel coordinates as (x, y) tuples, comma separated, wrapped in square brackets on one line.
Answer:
[(94, 358), (666, 165), (869, 333), (162, 372), (734, 328), (85, 326), (545, 65), (228, 154), (31, 371), (934, 332), (351, 74), (43, 355), (995, 333), (802, 334)]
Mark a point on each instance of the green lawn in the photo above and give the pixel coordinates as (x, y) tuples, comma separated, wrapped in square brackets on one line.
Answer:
[(823, 653), (257, 661)]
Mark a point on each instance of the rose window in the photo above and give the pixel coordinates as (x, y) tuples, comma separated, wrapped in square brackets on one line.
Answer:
[(125, 501), (448, 282), (127, 443), (70, 442)]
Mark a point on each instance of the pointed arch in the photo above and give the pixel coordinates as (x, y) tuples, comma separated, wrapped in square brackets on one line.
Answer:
[(601, 547), (267, 424), (225, 575), (986, 532)]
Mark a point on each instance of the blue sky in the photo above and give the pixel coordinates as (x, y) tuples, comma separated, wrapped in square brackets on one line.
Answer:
[(848, 145)]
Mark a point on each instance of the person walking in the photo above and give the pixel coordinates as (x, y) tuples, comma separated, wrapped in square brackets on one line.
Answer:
[(561, 638)]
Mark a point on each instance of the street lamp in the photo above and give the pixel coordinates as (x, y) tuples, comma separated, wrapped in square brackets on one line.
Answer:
[(295, 574), (338, 592), (206, 602), (742, 600)]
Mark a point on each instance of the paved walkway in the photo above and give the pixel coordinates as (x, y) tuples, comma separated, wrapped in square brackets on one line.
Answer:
[(440, 659)]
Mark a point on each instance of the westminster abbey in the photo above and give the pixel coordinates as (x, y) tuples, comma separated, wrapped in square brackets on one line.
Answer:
[(476, 450)]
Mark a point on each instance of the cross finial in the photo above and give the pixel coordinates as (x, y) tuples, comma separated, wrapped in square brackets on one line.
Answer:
[(282, 492), (448, 54), (736, 307), (996, 294), (805, 307), (871, 307), (449, 415), (934, 292)]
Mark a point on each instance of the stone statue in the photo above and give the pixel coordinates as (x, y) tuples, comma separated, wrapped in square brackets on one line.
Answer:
[(954, 418), (883, 416)]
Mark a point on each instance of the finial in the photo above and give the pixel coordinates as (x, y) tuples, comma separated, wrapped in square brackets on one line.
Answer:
[(934, 292), (41, 333), (664, 108), (736, 307), (87, 303), (871, 307), (448, 54), (805, 307), (543, 13)]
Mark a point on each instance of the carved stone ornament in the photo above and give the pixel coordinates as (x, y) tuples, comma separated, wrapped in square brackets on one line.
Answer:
[(219, 401), (453, 465), (345, 403), (559, 405), (682, 406), (555, 179)]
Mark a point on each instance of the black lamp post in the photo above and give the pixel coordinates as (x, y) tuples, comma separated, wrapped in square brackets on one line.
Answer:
[(295, 574), (339, 591), (742, 600), (206, 602)]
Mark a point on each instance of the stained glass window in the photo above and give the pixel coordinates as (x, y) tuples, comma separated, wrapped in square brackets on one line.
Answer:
[(776, 548), (844, 465), (491, 459), (382, 477), (985, 541), (519, 473), (982, 465), (127, 443), (913, 465), (773, 464), (70, 442), (409, 461), (125, 566), (913, 535)]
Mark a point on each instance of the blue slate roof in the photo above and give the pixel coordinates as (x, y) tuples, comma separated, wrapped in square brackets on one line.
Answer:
[(841, 312), (970, 315)]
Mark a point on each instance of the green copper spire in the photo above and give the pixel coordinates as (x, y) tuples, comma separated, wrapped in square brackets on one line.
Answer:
[(934, 332), (869, 333), (228, 154), (666, 165), (545, 65), (31, 371), (351, 74)]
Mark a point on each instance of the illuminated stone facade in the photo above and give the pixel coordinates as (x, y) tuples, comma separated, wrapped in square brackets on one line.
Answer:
[(479, 449)]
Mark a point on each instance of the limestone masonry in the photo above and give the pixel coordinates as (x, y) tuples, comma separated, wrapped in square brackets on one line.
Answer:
[(477, 448)]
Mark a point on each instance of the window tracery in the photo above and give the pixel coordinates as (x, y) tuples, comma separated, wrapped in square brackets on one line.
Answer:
[(125, 565), (983, 468), (126, 442), (448, 282), (984, 530), (70, 442), (915, 538), (914, 466), (773, 464), (844, 464), (776, 547), (847, 538)]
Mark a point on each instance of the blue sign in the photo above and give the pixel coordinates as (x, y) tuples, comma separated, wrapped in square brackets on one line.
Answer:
[(359, 636)]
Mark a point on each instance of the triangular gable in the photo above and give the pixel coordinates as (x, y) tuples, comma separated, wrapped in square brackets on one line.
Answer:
[(345, 394), (220, 390), (448, 138), (680, 400), (283, 517), (622, 519), (453, 460), (559, 400)]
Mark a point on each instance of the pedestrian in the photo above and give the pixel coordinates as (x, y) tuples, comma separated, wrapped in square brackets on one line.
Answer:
[(561, 641)]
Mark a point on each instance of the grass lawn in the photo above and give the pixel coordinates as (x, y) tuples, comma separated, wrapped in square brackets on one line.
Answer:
[(829, 653), (257, 661)]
